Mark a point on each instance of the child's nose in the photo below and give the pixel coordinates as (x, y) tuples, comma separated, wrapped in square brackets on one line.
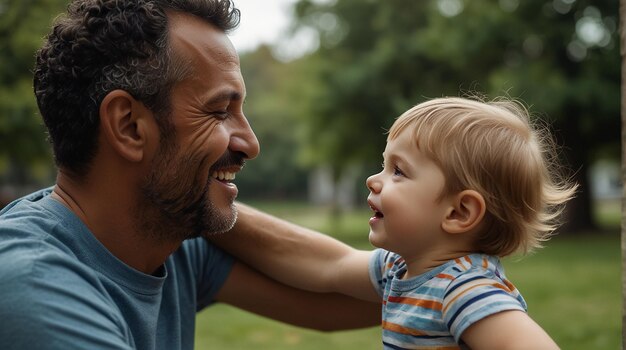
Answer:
[(373, 184)]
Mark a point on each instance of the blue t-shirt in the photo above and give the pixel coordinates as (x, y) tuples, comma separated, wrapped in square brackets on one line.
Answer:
[(60, 288)]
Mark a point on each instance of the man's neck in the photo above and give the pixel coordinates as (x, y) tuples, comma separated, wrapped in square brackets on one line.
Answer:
[(107, 208)]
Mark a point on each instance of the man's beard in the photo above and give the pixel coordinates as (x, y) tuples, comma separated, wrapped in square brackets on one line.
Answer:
[(175, 204)]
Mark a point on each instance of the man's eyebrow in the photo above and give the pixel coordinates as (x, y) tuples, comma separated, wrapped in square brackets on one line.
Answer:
[(224, 96)]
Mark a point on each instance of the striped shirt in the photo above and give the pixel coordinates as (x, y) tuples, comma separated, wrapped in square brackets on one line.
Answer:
[(432, 310)]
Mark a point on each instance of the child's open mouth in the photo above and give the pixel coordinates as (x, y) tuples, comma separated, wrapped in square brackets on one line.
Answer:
[(377, 213)]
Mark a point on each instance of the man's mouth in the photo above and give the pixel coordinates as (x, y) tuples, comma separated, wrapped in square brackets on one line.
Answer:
[(225, 168), (223, 175)]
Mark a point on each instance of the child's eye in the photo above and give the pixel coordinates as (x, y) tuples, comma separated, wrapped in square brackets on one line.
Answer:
[(397, 171)]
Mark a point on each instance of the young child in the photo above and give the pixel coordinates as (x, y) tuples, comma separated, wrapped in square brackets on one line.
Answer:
[(463, 183)]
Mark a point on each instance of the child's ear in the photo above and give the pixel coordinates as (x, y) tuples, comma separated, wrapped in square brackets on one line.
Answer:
[(465, 213), (124, 124)]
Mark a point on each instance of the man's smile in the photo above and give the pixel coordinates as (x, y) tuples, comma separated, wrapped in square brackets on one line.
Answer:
[(223, 175)]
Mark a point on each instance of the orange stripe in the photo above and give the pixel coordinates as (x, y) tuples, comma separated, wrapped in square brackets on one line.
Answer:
[(467, 258), (401, 329), (393, 327), (445, 275), (509, 284), (460, 263), (485, 263), (427, 304), (497, 285)]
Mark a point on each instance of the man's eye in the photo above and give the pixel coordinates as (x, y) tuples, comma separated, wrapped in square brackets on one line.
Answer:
[(222, 115), (397, 171)]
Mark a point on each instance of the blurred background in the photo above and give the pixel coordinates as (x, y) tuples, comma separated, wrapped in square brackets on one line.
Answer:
[(325, 78)]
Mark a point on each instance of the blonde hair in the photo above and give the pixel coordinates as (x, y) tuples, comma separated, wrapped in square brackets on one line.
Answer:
[(492, 148)]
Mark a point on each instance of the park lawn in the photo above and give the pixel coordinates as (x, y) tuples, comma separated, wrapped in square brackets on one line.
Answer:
[(572, 287)]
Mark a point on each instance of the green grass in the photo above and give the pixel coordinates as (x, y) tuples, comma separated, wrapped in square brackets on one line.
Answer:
[(572, 288)]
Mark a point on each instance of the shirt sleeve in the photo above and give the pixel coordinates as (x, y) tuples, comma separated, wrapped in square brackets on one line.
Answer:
[(472, 297), (212, 267), (378, 269)]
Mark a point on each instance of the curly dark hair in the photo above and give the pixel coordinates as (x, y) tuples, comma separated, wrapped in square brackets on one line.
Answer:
[(102, 45)]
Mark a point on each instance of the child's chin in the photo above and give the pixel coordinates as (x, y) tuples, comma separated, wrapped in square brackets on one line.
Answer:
[(375, 239)]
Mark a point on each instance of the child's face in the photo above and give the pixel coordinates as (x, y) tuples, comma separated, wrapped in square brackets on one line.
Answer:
[(405, 199)]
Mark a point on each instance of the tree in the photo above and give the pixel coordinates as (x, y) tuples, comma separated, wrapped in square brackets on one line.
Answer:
[(378, 58), (622, 15), (24, 154), (270, 109)]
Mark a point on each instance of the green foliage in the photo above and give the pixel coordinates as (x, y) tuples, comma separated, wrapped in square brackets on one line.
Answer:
[(378, 58), (270, 108), (397, 52), (23, 147)]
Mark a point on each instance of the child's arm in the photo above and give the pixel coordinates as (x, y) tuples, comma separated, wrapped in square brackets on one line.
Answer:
[(297, 256), (507, 330)]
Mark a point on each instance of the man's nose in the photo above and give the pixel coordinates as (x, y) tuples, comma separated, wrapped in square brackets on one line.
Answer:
[(244, 140)]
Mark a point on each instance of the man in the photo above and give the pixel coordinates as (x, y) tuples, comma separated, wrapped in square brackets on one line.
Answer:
[(143, 103)]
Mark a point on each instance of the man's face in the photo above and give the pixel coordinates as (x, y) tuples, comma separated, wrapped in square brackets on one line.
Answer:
[(190, 181)]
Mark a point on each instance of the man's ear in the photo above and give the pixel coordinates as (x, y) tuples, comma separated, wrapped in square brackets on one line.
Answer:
[(124, 124), (465, 213)]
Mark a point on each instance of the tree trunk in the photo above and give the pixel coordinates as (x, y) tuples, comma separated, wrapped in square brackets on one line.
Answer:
[(578, 216), (622, 16)]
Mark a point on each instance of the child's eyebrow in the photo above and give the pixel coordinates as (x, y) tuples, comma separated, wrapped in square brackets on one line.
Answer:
[(398, 159)]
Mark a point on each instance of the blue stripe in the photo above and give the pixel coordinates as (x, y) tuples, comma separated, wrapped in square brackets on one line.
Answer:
[(473, 300), (460, 283), (429, 336), (391, 346)]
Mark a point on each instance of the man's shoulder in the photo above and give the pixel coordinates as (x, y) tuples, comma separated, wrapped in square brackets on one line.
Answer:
[(53, 300), (28, 216), (29, 198), (43, 286), (38, 263), (34, 255)]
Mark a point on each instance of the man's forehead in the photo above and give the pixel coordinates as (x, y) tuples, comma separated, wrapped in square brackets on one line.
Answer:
[(194, 38)]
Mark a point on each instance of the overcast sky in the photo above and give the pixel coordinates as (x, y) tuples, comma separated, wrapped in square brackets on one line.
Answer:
[(267, 22), (262, 21)]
